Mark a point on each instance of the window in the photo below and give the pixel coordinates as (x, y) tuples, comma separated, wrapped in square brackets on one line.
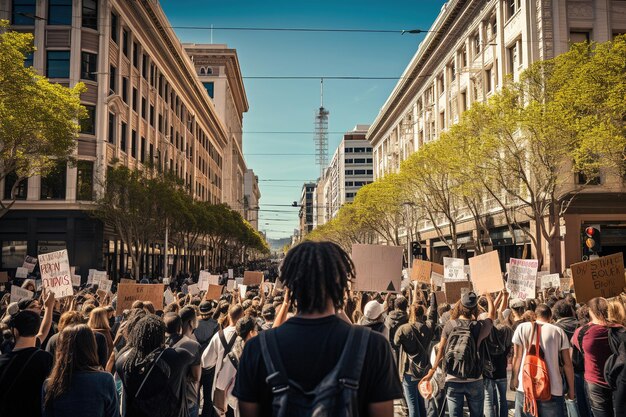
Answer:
[(112, 126), (20, 191), (125, 42), (151, 154), (209, 88), (579, 36), (58, 64), (125, 89), (151, 115), (369, 160), (88, 66), (28, 60), (22, 12), (13, 253), (134, 99), (114, 28), (135, 55), (53, 184), (348, 150), (359, 160), (88, 124), (144, 66), (349, 195), (349, 172), (370, 172), (349, 161), (442, 120), (133, 144), (488, 83), (463, 57), (493, 25), (59, 12), (349, 183), (112, 79), (452, 71), (123, 138), (359, 172), (142, 154), (513, 63), (512, 6), (476, 41), (202, 71), (84, 180), (143, 108), (463, 101), (90, 14)]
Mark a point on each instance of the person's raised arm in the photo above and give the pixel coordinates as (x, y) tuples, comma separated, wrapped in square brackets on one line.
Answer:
[(281, 317), (491, 310), (433, 314), (46, 323)]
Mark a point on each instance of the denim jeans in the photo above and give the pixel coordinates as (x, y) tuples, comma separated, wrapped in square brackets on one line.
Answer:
[(555, 407), (495, 398), (600, 400), (193, 411), (581, 395), (414, 401), (473, 392)]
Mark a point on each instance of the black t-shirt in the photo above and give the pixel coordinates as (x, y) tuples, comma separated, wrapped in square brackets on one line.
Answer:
[(22, 396), (310, 349), (101, 345), (205, 331)]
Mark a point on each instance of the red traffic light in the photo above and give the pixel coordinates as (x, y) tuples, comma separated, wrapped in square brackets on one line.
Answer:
[(590, 231)]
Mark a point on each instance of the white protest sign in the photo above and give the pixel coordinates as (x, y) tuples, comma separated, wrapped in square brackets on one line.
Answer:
[(166, 281), (243, 289), (29, 263), (193, 289), (550, 280), (169, 297), (453, 269), (76, 280), (437, 279), (239, 281), (231, 274), (18, 293), (203, 281), (55, 273), (104, 284), (522, 278), (230, 284), (21, 272)]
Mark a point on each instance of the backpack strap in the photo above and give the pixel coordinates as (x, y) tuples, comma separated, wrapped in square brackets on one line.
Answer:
[(145, 378), (581, 336), (228, 346), (276, 374), (353, 356)]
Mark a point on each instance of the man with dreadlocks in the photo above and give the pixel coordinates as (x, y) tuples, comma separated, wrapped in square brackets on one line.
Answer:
[(152, 375), (310, 344)]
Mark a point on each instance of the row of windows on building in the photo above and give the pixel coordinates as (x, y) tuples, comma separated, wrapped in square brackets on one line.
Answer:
[(59, 12), (358, 150), (359, 172), (358, 161), (357, 183), (53, 185)]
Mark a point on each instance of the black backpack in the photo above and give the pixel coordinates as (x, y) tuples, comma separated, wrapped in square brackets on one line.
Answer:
[(335, 396), (461, 358), (419, 363), (614, 365), (578, 356), (149, 392)]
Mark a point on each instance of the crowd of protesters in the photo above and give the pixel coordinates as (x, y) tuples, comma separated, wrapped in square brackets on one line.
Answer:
[(313, 347)]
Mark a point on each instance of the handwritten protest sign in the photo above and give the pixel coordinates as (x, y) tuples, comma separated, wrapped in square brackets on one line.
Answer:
[(20, 272), (169, 297), (453, 269), (441, 297), (104, 284), (18, 293), (437, 279), (29, 263), (127, 281), (252, 277), (454, 290), (602, 277), (193, 289), (377, 267), (550, 280), (55, 273), (421, 271), (485, 273), (214, 292), (4, 276), (522, 278), (127, 294), (230, 284)]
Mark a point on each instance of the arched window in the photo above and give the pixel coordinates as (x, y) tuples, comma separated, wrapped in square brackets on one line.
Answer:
[(209, 71), (202, 71)]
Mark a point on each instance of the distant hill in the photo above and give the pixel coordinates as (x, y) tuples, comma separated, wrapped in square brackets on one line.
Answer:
[(276, 245)]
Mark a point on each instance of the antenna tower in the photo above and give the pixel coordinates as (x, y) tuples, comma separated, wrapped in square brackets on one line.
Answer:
[(321, 133)]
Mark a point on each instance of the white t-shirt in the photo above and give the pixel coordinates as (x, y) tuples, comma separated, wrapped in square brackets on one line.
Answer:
[(553, 341)]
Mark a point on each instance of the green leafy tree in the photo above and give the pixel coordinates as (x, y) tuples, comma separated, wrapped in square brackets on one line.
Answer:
[(38, 119)]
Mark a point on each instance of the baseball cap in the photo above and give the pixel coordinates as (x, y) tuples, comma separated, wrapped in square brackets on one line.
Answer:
[(373, 310), (517, 303), (469, 300)]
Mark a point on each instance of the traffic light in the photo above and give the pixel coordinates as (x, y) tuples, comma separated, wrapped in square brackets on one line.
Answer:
[(415, 249), (592, 240)]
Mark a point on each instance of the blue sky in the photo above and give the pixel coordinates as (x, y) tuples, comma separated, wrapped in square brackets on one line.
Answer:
[(290, 105)]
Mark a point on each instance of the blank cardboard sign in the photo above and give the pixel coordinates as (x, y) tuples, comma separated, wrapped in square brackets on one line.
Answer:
[(421, 271), (485, 273), (214, 292), (454, 290), (378, 267), (602, 277), (252, 278)]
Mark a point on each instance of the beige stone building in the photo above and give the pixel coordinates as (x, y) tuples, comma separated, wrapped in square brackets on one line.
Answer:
[(146, 105), (472, 46)]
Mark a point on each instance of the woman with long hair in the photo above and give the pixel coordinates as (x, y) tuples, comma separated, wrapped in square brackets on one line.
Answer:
[(99, 323), (77, 387), (593, 341)]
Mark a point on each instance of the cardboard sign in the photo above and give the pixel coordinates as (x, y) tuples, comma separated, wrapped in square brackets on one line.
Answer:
[(169, 297), (252, 278), (127, 294), (101, 293), (454, 290), (485, 273), (4, 276), (238, 281), (441, 297), (565, 284), (377, 267), (230, 284), (105, 285), (55, 273), (454, 269), (20, 272), (468, 272), (127, 281), (18, 293), (76, 280), (522, 278), (167, 281), (243, 289), (214, 292), (437, 279), (549, 281), (421, 271), (602, 277), (29, 263), (193, 289), (231, 274)]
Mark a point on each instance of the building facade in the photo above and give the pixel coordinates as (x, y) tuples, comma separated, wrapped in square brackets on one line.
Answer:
[(306, 209), (251, 195), (471, 49), (145, 105), (217, 67)]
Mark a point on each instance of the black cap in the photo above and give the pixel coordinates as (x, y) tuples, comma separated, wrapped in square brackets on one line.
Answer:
[(469, 300), (205, 307)]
